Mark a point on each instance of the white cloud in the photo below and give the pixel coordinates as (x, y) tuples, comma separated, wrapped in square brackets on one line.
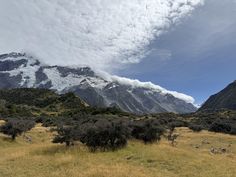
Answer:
[(149, 85), (102, 34)]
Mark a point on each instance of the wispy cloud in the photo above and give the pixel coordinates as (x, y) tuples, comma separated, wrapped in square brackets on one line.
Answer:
[(102, 34)]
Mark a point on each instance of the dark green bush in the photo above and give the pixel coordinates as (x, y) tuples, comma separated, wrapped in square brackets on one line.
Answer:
[(147, 131), (176, 123), (104, 135), (195, 128), (233, 130), (220, 126), (16, 127), (66, 134), (49, 122)]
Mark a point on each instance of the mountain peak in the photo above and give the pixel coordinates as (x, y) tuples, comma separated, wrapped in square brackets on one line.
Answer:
[(12, 55)]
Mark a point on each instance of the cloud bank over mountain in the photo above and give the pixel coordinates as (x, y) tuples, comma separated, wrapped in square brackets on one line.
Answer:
[(102, 34)]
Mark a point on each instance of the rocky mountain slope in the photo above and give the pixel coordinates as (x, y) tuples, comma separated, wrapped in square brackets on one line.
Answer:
[(101, 90), (225, 99)]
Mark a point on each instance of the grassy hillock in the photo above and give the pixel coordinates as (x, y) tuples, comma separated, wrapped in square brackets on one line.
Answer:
[(193, 156), (33, 102), (29, 102)]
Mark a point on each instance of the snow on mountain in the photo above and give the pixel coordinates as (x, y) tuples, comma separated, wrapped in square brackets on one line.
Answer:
[(96, 88), (27, 69)]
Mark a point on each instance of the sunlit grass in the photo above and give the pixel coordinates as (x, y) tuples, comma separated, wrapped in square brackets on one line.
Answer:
[(191, 157)]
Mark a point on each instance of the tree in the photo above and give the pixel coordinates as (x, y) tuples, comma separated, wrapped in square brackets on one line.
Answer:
[(104, 135), (171, 137), (15, 127), (148, 131), (67, 135)]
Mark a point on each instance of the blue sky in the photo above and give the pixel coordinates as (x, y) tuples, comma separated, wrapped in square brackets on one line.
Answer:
[(196, 57)]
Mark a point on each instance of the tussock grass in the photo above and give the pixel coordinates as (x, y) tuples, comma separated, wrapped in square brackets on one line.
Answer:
[(191, 157), (2, 122)]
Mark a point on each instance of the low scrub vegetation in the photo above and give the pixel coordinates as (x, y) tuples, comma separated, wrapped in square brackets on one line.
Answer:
[(195, 128), (223, 126), (66, 134), (98, 128), (104, 135), (107, 134), (16, 127), (148, 131)]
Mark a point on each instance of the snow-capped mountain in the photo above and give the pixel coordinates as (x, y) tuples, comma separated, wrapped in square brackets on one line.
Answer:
[(97, 89)]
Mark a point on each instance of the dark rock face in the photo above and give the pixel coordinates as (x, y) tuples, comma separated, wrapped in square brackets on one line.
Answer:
[(7, 82), (79, 71), (225, 99), (11, 65), (40, 76), (19, 70)]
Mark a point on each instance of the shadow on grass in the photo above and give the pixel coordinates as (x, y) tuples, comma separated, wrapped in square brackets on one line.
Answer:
[(7, 139), (56, 149), (53, 150)]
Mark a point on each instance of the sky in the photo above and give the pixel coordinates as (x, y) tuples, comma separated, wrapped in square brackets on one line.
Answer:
[(196, 57), (182, 45)]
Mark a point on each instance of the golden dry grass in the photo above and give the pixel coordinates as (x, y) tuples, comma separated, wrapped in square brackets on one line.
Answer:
[(191, 158), (2, 122)]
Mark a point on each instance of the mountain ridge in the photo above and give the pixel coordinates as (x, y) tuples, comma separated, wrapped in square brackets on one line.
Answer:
[(225, 99), (19, 70)]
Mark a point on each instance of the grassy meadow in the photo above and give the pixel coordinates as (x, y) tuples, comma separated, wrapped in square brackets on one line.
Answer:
[(190, 158)]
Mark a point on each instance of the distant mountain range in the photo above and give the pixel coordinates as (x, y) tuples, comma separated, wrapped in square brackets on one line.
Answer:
[(100, 90), (225, 99)]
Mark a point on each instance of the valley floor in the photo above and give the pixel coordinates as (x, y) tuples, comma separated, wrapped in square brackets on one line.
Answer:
[(190, 158)]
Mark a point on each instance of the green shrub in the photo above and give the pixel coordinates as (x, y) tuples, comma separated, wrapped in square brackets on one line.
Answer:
[(104, 135), (66, 135), (220, 126), (195, 128), (147, 131), (16, 127)]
